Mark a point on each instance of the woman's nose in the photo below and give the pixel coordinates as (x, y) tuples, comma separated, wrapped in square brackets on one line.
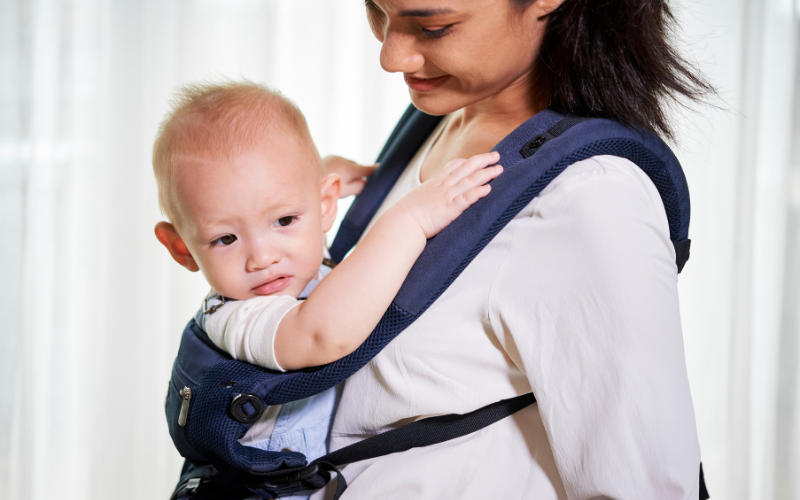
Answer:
[(261, 257), (399, 53)]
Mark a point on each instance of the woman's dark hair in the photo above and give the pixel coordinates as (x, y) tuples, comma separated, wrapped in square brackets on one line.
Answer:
[(615, 59)]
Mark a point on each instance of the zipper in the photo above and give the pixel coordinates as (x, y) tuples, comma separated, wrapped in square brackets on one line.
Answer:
[(186, 394)]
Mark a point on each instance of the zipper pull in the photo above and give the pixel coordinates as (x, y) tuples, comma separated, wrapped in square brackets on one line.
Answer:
[(186, 394)]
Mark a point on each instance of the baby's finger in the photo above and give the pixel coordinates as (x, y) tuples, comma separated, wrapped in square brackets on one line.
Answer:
[(480, 177), (477, 162), (452, 165), (471, 196), (354, 186), (369, 169)]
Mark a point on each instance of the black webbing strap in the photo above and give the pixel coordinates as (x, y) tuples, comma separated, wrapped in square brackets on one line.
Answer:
[(703, 490), (681, 252), (206, 484), (423, 432)]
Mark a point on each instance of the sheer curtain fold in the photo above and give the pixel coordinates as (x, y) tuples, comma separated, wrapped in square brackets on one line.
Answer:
[(92, 308)]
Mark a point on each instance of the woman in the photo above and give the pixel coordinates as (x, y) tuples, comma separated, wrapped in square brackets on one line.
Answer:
[(575, 299)]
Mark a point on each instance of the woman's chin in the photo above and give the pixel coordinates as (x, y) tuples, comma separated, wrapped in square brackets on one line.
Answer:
[(442, 101), (436, 103)]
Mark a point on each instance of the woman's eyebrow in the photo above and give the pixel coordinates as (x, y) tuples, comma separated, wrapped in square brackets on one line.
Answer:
[(414, 13), (424, 12)]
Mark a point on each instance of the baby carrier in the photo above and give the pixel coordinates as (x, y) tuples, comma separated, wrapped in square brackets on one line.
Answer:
[(213, 399)]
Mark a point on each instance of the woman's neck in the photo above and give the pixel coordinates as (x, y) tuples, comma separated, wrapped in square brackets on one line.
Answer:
[(505, 110), (477, 128)]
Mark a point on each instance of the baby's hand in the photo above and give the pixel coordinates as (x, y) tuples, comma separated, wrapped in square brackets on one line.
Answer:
[(353, 175), (438, 201)]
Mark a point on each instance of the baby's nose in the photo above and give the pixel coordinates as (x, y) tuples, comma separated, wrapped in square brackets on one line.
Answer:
[(261, 258)]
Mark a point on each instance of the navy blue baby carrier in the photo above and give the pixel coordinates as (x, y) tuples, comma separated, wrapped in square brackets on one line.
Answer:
[(213, 399)]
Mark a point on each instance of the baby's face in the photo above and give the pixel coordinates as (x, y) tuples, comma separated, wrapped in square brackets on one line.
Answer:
[(255, 224)]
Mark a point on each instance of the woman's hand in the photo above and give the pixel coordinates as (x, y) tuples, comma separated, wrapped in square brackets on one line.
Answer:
[(353, 175), (439, 200)]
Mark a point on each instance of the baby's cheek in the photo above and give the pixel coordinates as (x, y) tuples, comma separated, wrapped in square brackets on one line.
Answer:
[(224, 280)]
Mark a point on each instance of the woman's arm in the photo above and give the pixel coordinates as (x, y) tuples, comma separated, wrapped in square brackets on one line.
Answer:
[(586, 304), (345, 307)]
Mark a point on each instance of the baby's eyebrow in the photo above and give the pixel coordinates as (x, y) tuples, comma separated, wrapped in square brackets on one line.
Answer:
[(278, 210)]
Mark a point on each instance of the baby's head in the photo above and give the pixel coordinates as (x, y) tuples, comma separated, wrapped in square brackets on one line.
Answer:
[(241, 184)]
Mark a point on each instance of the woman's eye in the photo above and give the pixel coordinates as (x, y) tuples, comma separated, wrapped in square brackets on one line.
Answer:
[(224, 240), (285, 221), (435, 33)]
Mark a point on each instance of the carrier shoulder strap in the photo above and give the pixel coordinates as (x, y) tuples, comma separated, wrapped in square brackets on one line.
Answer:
[(415, 126)]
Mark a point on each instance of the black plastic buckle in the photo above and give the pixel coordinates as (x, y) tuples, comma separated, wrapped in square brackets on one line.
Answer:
[(237, 408), (187, 489), (293, 478), (533, 145)]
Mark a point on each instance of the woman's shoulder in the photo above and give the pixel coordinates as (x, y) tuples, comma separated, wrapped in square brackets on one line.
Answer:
[(602, 185), (600, 219)]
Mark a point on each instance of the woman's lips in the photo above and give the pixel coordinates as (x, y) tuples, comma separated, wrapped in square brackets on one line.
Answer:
[(425, 84), (273, 285)]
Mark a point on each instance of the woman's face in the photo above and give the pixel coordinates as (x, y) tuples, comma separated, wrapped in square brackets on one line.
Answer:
[(454, 53)]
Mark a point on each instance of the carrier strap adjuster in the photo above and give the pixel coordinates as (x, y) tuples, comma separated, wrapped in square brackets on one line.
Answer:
[(292, 478), (187, 489), (312, 477)]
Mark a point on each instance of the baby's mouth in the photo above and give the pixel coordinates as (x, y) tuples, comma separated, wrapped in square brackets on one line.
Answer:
[(272, 285)]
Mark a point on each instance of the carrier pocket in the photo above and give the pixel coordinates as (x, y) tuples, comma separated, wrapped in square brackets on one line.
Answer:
[(178, 409)]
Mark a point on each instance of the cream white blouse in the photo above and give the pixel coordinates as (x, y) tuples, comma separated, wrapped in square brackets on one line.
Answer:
[(576, 300)]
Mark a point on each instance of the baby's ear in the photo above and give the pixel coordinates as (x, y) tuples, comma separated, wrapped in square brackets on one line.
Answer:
[(329, 196), (169, 237)]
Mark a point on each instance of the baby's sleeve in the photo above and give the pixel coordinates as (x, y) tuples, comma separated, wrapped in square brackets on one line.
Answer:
[(246, 329)]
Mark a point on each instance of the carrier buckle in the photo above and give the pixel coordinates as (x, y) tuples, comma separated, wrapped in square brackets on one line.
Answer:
[(292, 478), (187, 489), (246, 408)]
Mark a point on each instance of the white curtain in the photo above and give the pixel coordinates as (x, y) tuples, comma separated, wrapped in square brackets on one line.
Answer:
[(740, 292), (91, 307)]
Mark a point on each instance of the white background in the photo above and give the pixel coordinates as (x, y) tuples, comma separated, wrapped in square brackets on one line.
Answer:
[(91, 307)]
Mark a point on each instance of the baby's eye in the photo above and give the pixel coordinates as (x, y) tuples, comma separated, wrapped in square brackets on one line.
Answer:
[(224, 240), (285, 221)]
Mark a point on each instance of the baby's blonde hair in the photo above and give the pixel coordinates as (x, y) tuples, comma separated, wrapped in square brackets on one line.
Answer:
[(220, 120)]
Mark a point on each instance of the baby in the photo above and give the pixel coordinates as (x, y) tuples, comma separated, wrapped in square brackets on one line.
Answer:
[(248, 203)]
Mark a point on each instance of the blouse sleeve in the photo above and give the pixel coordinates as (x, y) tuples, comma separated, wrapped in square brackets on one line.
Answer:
[(246, 329), (586, 305)]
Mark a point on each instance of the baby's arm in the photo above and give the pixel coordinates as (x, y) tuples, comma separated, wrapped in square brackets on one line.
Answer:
[(345, 307)]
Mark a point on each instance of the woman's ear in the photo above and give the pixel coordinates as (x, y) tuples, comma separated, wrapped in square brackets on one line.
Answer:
[(169, 237), (329, 196), (546, 7)]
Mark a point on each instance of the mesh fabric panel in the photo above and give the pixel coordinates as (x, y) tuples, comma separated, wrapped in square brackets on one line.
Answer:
[(211, 429), (394, 321)]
